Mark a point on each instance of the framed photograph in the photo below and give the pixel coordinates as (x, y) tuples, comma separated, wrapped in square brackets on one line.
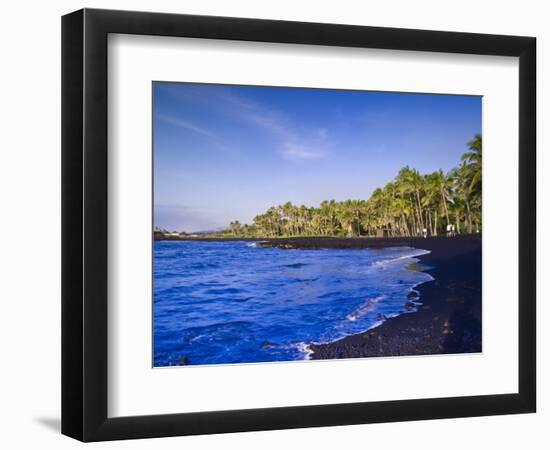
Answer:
[(273, 224)]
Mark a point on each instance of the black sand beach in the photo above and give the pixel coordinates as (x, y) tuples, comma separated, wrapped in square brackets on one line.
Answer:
[(449, 319)]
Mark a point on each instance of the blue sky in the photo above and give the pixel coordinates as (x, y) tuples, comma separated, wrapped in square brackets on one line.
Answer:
[(224, 153)]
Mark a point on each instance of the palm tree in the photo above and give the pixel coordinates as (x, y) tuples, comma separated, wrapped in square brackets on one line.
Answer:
[(461, 187), (473, 159), (235, 228), (409, 203), (346, 216), (412, 180), (432, 200), (443, 185)]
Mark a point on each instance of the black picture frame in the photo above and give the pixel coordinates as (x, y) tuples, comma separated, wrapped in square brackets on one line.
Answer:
[(84, 224)]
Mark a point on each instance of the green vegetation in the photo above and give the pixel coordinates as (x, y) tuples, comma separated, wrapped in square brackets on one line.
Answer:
[(403, 207)]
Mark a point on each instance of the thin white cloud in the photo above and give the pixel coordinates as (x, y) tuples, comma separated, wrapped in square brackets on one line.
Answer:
[(215, 140), (291, 143), (294, 152), (185, 124), (293, 146)]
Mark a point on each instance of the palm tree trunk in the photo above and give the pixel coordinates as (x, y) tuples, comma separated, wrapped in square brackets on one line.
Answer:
[(444, 201), (419, 208), (469, 216), (404, 222)]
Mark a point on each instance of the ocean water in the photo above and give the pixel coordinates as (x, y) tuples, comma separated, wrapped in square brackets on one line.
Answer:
[(230, 302)]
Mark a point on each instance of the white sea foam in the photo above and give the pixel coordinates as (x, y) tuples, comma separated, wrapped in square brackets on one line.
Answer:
[(304, 349), (365, 308), (413, 254)]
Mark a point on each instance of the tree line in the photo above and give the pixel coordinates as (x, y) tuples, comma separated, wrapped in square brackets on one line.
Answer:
[(409, 205)]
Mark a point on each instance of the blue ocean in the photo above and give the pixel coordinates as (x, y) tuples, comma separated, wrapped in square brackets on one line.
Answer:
[(230, 302)]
